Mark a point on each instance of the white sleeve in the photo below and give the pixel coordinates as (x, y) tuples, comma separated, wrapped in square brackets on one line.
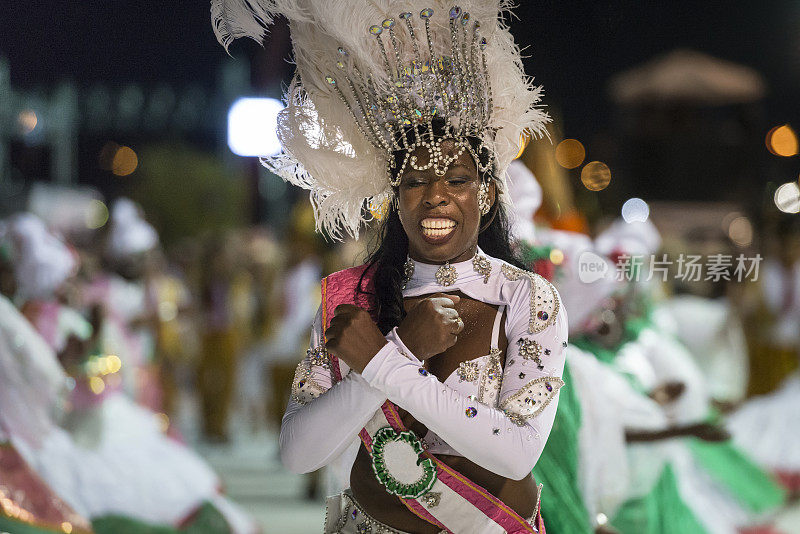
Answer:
[(322, 419), (508, 439)]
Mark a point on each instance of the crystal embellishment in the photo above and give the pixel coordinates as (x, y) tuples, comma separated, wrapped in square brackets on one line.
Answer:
[(446, 275), (408, 271), (319, 356), (426, 13), (531, 399), (431, 499), (468, 371), (482, 266), (471, 412), (491, 379), (530, 349), (543, 297)]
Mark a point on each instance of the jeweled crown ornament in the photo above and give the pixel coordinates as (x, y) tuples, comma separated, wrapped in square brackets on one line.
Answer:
[(376, 86), (399, 115)]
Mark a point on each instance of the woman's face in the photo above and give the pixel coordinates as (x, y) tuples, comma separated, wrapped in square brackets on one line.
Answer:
[(440, 214)]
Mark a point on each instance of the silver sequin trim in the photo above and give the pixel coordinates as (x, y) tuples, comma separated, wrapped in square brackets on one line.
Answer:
[(531, 399), (543, 298)]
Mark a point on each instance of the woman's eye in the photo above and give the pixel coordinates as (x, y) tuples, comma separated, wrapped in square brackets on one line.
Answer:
[(457, 180)]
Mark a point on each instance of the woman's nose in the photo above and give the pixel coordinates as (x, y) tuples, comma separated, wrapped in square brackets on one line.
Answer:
[(435, 194)]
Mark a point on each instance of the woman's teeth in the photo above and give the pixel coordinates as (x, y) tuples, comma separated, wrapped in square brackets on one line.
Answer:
[(437, 227)]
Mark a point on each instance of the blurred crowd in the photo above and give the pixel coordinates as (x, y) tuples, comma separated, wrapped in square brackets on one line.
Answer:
[(681, 389)]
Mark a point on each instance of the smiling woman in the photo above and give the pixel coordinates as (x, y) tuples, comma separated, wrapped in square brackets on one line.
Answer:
[(440, 353), (440, 214)]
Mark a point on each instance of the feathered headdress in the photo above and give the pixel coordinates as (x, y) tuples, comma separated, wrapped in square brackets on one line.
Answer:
[(373, 77)]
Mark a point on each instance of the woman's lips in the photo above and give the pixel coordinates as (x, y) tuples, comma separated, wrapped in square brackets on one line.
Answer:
[(437, 230)]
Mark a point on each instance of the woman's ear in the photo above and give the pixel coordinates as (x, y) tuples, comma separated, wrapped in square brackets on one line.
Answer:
[(492, 192)]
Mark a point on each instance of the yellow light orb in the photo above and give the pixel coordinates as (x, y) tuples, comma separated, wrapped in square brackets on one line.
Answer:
[(66, 526), (113, 364), (379, 209), (125, 161), (782, 141), (556, 256), (97, 385), (596, 176), (27, 121), (163, 421), (523, 143), (570, 153)]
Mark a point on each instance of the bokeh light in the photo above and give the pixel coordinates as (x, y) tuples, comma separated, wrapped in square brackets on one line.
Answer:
[(570, 153), (787, 198), (96, 215), (27, 121), (523, 143), (125, 161), (740, 230), (113, 363), (782, 141), (556, 256), (163, 421), (596, 176), (635, 210), (97, 385), (253, 127)]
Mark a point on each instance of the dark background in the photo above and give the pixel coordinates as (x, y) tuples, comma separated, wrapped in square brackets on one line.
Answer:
[(571, 47)]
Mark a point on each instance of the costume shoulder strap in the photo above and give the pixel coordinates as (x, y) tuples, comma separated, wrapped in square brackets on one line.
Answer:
[(350, 286)]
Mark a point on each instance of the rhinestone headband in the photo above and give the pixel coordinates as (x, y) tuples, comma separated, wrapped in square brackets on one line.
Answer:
[(399, 115)]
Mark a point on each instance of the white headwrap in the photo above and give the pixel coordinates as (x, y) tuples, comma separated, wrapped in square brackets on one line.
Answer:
[(130, 233), (640, 238), (42, 261), (526, 193), (362, 76), (584, 279)]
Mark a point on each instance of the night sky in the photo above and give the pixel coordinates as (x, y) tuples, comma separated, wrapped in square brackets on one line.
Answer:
[(574, 47)]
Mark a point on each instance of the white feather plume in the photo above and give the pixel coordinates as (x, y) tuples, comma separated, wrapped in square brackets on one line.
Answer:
[(324, 151)]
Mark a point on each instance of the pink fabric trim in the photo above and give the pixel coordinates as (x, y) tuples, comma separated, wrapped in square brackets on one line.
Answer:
[(484, 501), (340, 288), (366, 438)]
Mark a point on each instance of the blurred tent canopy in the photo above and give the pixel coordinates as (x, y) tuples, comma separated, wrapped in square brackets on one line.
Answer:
[(687, 77)]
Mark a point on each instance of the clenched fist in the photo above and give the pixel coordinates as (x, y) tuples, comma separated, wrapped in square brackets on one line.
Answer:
[(353, 337), (431, 326)]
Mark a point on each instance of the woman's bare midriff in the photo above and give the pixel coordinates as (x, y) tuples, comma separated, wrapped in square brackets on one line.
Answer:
[(519, 495)]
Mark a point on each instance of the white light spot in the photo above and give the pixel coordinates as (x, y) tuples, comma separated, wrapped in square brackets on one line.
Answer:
[(253, 127), (635, 210), (787, 198)]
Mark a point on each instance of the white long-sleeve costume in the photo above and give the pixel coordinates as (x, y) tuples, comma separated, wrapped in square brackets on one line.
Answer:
[(495, 411)]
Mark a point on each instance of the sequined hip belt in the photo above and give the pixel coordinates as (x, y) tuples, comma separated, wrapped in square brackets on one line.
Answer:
[(343, 515)]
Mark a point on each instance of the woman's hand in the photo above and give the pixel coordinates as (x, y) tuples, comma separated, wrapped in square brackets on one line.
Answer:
[(353, 337), (431, 326)]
